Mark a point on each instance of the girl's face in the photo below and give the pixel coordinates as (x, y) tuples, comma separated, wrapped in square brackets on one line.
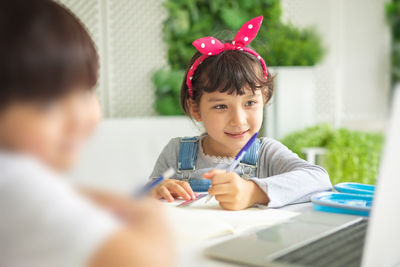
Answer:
[(230, 120), (51, 131)]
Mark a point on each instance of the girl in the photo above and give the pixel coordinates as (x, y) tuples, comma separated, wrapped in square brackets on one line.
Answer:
[(48, 107), (226, 88)]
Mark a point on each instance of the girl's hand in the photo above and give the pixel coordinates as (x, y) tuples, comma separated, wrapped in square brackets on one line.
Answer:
[(172, 188), (234, 193)]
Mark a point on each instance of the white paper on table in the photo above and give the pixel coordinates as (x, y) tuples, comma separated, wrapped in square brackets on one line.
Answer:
[(203, 221)]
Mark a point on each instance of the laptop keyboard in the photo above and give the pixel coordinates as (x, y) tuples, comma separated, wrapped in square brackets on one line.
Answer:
[(341, 248)]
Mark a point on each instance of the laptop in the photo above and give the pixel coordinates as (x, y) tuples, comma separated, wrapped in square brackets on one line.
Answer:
[(327, 239)]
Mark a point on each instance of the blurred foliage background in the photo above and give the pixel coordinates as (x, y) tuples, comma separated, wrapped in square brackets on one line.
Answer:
[(351, 156), (393, 16), (279, 44)]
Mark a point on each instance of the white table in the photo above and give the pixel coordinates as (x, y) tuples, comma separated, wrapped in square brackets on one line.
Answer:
[(193, 256)]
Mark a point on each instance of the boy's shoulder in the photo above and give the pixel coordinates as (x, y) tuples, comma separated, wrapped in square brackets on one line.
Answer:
[(25, 180), (19, 168), (17, 163)]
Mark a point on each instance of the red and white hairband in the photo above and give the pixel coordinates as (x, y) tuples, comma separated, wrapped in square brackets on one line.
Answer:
[(210, 46)]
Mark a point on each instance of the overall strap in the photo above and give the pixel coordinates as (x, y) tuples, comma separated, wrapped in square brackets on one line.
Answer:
[(251, 157), (188, 153), (187, 163), (249, 162)]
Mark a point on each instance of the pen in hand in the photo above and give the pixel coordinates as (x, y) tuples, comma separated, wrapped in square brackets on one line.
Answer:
[(151, 184), (238, 158)]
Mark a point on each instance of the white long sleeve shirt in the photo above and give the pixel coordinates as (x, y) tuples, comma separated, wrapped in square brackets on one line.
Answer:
[(43, 221)]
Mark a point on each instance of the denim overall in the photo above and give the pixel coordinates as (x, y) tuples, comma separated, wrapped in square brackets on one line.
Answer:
[(188, 156)]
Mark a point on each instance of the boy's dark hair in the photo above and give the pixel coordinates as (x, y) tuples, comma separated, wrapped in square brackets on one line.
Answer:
[(45, 52), (231, 71)]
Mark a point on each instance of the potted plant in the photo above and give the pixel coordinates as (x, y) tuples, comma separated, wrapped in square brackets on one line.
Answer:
[(350, 156)]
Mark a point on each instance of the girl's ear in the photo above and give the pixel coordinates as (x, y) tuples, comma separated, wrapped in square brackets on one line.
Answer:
[(194, 110), (265, 95)]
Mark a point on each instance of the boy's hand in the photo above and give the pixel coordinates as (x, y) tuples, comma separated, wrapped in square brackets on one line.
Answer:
[(149, 223), (234, 193), (145, 232), (172, 188)]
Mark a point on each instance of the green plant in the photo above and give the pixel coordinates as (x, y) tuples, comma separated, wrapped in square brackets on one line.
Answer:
[(279, 44), (393, 16), (316, 136), (352, 156), (168, 84)]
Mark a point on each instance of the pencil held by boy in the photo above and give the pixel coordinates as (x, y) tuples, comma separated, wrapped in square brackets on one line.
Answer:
[(48, 108), (226, 88)]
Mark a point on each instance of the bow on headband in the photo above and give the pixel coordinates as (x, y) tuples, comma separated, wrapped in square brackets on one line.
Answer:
[(210, 46)]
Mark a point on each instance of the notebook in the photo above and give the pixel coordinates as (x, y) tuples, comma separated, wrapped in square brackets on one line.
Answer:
[(204, 221)]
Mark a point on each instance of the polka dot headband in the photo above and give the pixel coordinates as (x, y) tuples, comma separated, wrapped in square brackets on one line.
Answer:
[(210, 46)]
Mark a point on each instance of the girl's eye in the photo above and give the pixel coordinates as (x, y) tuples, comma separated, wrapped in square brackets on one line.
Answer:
[(220, 107), (250, 103)]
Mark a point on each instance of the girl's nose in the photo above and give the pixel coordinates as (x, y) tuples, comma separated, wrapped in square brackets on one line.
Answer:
[(238, 117)]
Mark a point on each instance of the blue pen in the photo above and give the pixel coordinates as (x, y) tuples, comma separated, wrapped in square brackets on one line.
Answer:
[(165, 175), (239, 157)]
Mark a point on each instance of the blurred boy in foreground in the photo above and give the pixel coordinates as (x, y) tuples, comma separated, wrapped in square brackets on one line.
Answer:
[(48, 107)]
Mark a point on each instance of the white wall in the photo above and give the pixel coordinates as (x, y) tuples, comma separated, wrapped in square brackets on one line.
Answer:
[(122, 153), (129, 40), (353, 80)]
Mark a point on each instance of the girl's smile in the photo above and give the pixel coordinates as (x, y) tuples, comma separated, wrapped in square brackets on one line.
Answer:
[(237, 135)]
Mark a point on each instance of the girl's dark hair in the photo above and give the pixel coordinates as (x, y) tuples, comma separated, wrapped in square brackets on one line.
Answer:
[(231, 71), (45, 52)]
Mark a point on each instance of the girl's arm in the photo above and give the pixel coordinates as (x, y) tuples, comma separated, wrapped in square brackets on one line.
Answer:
[(171, 188), (168, 158), (286, 178)]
